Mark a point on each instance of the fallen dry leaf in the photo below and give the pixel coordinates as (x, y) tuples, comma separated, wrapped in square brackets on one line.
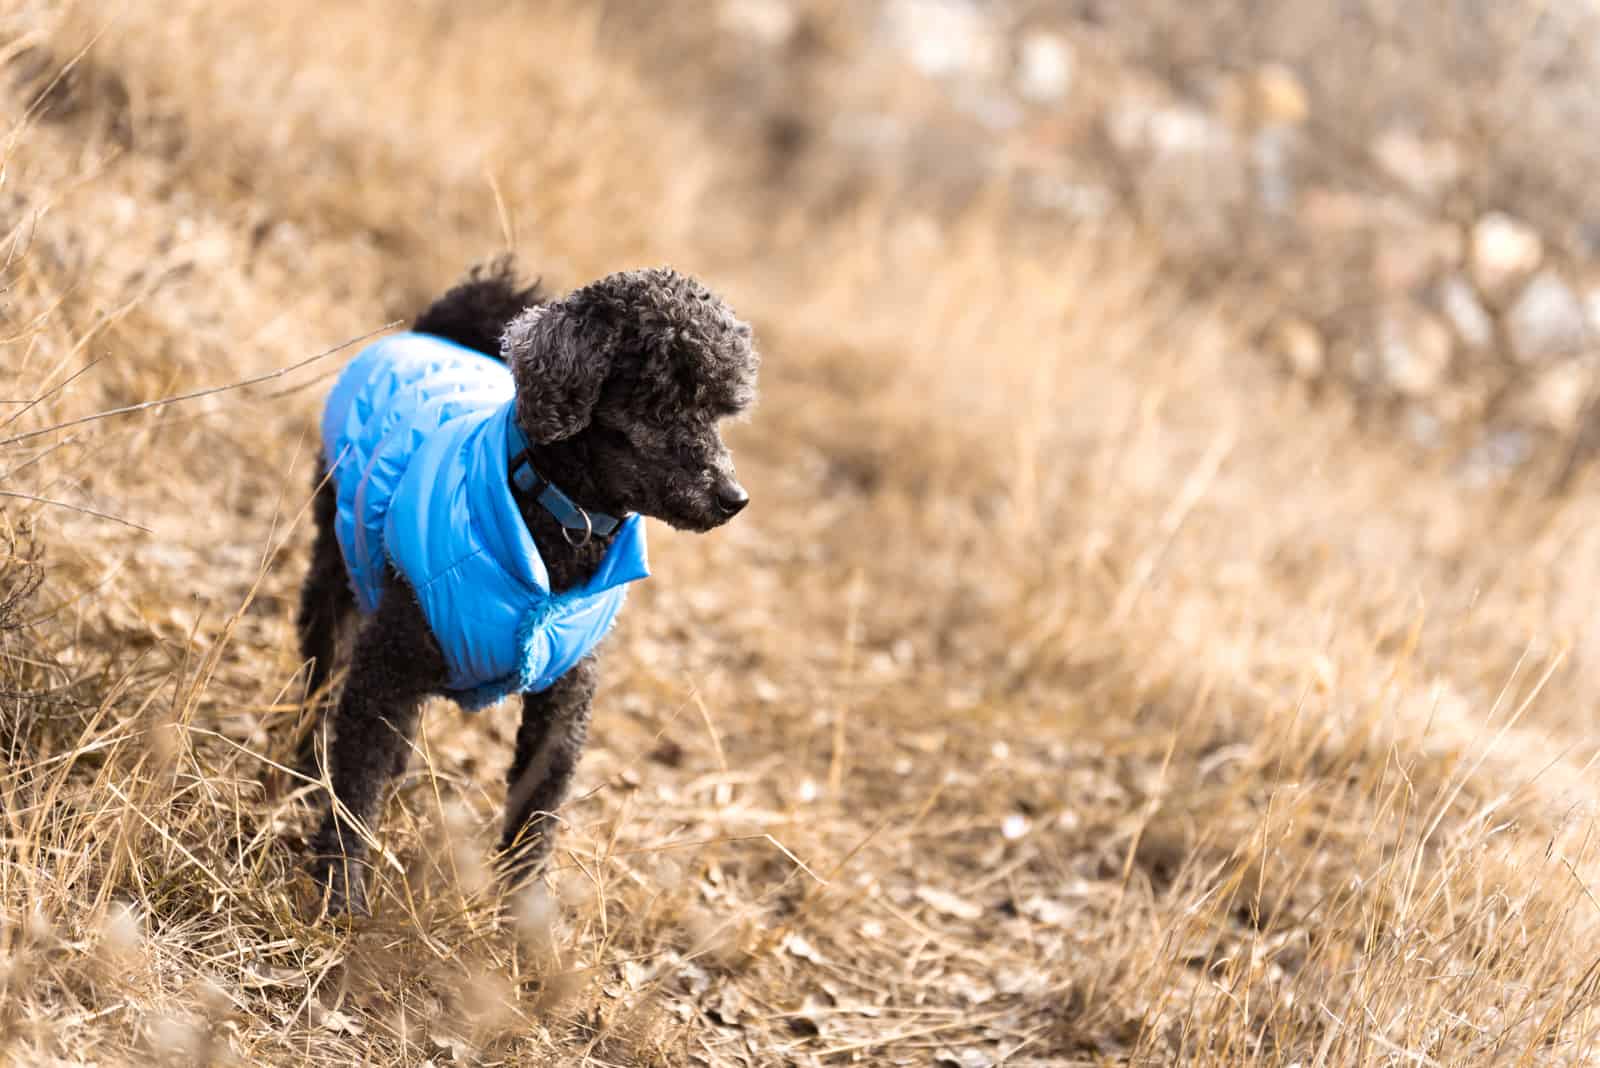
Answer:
[(949, 903)]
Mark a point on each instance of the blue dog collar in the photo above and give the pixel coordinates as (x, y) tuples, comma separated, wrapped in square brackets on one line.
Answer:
[(526, 482)]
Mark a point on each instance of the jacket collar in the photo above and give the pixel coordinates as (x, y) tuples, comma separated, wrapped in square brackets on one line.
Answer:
[(528, 484)]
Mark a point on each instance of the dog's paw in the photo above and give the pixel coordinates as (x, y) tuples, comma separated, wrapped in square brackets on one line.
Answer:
[(341, 888)]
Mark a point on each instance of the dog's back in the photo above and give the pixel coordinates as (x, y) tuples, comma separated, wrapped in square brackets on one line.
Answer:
[(387, 402), (475, 312)]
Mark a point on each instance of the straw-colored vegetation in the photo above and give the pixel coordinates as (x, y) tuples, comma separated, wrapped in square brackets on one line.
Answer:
[(1075, 690)]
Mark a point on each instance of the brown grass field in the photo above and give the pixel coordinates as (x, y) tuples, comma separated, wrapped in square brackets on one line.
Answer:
[(1077, 690)]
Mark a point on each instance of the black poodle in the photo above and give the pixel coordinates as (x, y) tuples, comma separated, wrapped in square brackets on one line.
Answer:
[(611, 411)]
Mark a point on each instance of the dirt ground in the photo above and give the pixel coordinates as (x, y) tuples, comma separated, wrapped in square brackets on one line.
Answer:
[(1076, 690)]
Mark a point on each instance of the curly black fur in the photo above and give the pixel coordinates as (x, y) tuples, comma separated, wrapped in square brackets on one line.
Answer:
[(475, 312), (620, 387)]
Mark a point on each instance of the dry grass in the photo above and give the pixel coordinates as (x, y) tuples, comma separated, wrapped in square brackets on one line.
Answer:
[(1075, 693)]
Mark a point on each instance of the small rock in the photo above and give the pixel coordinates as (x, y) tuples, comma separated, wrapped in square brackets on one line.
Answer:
[(1270, 96), (1504, 249), (1501, 452), (1045, 64), (1166, 132), (1423, 426), (1413, 349), (1281, 97), (1465, 312), (1548, 320), (1299, 346), (1270, 151), (1409, 255), (1558, 395), (945, 37), (1425, 166), (771, 22)]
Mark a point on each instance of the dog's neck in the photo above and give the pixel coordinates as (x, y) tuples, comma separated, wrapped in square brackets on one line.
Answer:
[(569, 465), (566, 464)]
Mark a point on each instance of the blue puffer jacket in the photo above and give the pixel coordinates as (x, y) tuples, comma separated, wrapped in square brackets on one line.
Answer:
[(418, 433)]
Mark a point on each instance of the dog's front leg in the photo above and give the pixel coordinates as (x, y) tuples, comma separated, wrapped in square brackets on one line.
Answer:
[(555, 725), (395, 665)]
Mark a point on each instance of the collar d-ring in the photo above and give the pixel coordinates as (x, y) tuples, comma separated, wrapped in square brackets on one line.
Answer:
[(588, 531)]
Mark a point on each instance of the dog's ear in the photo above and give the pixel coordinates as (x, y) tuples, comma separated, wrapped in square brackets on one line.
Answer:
[(558, 368)]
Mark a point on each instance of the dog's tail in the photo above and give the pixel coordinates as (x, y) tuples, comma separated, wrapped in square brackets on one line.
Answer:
[(476, 310)]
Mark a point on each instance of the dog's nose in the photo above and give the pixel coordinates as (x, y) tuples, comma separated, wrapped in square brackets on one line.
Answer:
[(732, 498)]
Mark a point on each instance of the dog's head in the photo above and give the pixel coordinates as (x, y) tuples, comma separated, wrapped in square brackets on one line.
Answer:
[(639, 368)]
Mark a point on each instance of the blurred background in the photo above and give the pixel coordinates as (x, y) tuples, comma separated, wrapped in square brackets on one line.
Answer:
[(1161, 632)]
